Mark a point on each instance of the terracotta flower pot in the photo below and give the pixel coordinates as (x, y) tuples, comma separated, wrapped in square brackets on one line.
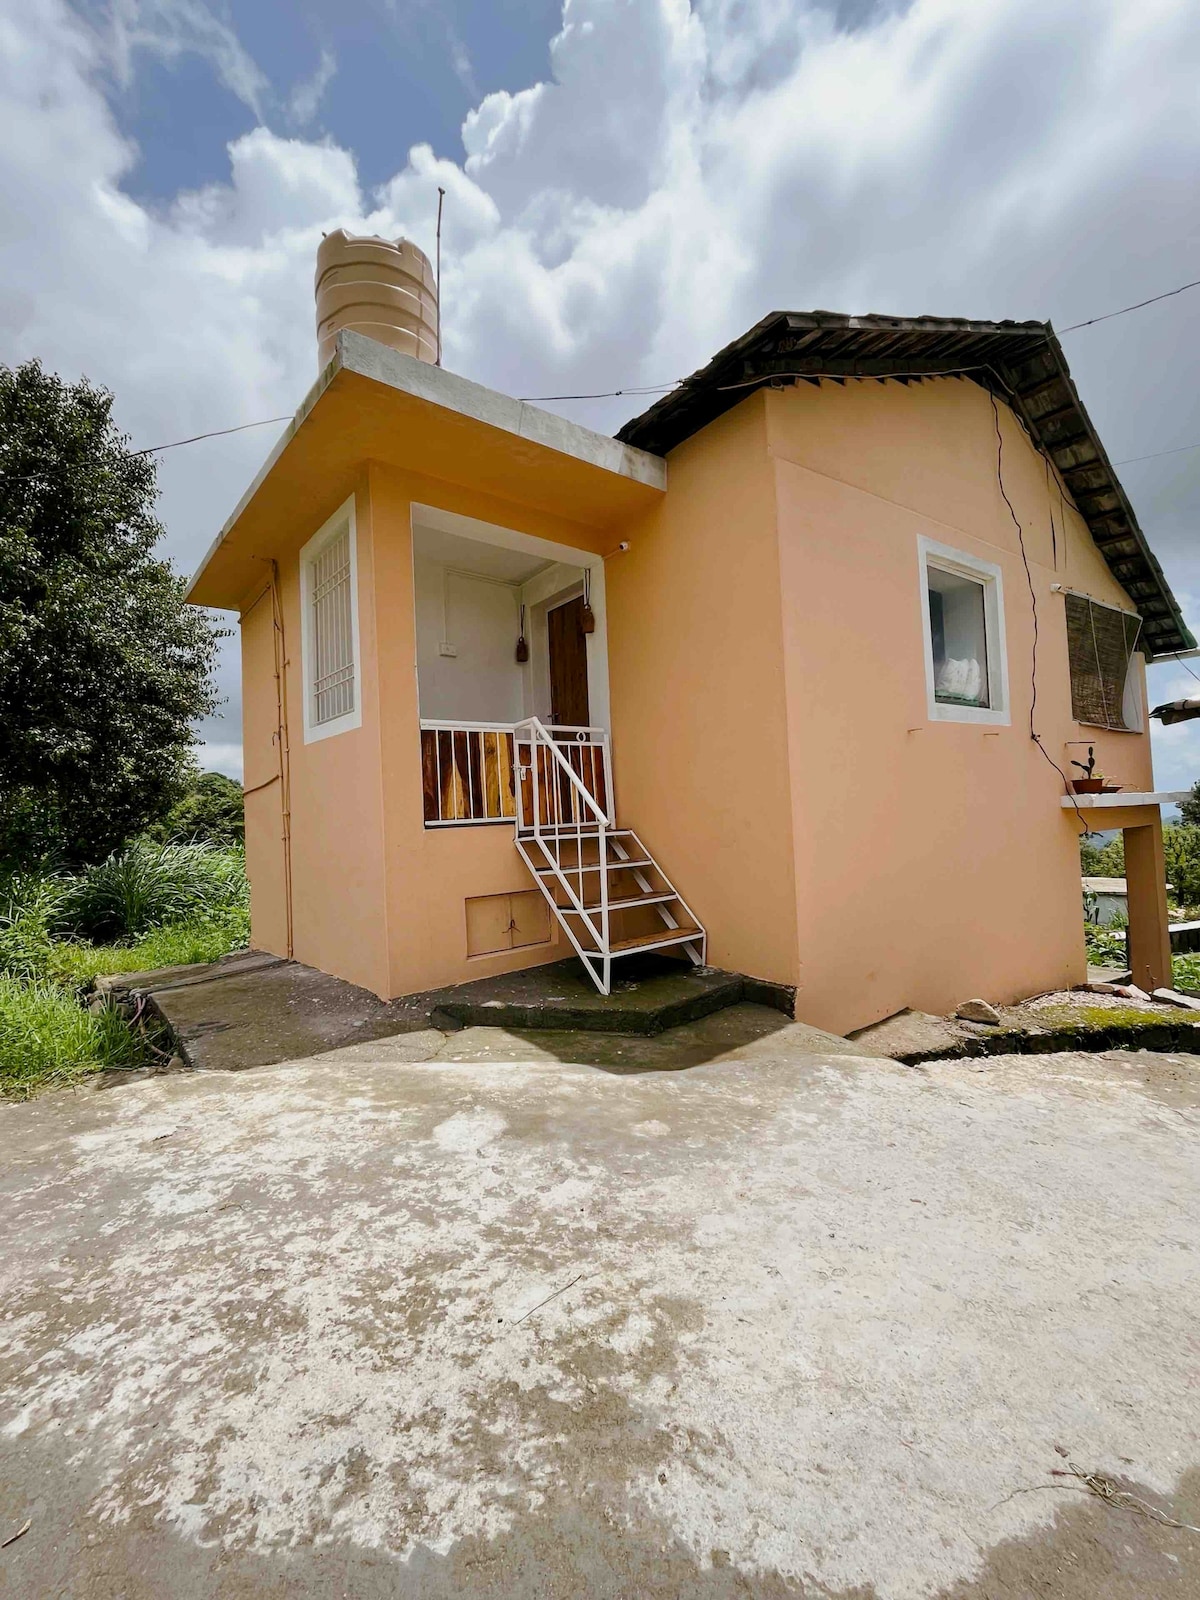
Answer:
[(1094, 786)]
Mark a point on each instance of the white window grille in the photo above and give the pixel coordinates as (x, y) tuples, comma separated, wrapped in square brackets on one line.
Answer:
[(329, 610), (332, 632)]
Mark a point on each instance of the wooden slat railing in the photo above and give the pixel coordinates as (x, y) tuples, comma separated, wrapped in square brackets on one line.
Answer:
[(467, 774)]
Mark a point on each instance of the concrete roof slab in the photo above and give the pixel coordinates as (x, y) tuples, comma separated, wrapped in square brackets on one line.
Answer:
[(374, 404)]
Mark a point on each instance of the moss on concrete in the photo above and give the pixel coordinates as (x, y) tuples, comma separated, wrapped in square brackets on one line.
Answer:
[(1071, 1027)]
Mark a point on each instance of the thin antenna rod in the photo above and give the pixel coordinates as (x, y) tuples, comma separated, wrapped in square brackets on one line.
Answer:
[(438, 273)]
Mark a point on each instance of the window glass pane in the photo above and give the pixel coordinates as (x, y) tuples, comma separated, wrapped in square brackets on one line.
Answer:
[(958, 634)]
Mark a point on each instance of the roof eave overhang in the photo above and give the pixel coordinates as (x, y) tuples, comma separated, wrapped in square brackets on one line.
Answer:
[(1020, 362), (373, 404)]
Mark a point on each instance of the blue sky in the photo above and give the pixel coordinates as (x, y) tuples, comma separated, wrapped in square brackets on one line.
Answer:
[(630, 184), (374, 77)]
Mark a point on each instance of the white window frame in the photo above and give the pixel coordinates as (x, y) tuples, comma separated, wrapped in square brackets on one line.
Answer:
[(342, 520), (944, 558)]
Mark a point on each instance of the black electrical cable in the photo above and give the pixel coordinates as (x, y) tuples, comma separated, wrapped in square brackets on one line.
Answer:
[(1109, 315), (1033, 733), (217, 433)]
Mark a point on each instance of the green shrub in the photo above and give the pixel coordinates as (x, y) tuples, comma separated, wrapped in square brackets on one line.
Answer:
[(47, 1038), (210, 812), (1105, 946), (148, 885)]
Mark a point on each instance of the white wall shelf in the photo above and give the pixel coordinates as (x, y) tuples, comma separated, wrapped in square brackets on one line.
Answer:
[(1099, 802)]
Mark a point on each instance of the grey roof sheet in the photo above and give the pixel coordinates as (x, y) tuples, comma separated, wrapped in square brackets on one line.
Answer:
[(1020, 362)]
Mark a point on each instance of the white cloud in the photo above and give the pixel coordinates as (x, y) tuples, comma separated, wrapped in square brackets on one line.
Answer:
[(683, 170), (305, 99), (169, 29)]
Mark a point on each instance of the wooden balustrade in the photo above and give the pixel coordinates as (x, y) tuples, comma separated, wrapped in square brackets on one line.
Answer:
[(467, 776)]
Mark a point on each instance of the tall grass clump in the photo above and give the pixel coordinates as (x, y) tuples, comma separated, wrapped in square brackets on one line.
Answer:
[(148, 905), (148, 885), (31, 906), (46, 1037)]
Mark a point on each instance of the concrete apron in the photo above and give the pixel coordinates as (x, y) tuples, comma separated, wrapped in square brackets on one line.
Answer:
[(781, 1324), (251, 1010)]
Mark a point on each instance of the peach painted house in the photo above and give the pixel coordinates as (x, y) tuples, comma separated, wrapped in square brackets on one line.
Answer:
[(751, 683)]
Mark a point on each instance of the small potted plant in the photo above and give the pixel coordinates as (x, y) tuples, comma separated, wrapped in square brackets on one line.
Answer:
[(1092, 782)]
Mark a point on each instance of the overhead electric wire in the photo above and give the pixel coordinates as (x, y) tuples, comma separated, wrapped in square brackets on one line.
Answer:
[(605, 394), (1154, 454), (217, 433), (1109, 315), (663, 388)]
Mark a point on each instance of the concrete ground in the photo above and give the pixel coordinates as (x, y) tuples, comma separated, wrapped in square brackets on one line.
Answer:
[(505, 1323)]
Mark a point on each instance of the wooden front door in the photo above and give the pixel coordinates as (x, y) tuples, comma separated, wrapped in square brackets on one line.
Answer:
[(568, 665)]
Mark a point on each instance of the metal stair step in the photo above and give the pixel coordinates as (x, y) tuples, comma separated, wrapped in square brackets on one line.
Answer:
[(652, 941), (567, 831), (624, 905), (611, 866)]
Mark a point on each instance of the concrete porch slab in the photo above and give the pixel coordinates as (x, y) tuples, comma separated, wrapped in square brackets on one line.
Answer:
[(254, 1010), (649, 995)]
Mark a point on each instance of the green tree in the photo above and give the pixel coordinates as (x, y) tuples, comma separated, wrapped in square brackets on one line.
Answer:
[(211, 809), (1097, 860), (1181, 851), (103, 669), (1090, 854), (1181, 848), (1189, 809)]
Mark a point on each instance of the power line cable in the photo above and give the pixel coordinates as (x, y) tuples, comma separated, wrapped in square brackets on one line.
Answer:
[(663, 388), (217, 433), (607, 394), (1109, 315), (1155, 454)]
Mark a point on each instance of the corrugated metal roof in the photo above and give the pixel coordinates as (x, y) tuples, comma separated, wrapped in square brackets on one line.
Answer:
[(1020, 362)]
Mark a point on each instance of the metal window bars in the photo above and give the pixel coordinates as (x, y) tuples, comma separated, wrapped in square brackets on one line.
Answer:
[(332, 631)]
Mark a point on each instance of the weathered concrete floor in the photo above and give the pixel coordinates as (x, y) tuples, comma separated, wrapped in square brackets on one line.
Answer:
[(778, 1324), (253, 1010)]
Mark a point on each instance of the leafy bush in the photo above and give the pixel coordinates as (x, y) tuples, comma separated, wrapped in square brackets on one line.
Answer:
[(149, 885), (46, 1037), (212, 812), (1105, 946)]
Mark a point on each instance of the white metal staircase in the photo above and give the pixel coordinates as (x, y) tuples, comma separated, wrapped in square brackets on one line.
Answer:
[(608, 894)]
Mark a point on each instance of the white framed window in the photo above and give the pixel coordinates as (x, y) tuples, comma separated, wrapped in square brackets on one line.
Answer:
[(962, 618), (329, 628)]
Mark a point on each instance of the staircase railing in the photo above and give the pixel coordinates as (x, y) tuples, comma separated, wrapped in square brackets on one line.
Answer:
[(555, 803)]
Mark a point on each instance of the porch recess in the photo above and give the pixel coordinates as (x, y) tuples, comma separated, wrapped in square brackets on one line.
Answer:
[(553, 785)]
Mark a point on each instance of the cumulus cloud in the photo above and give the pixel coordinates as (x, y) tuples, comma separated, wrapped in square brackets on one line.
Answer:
[(682, 170)]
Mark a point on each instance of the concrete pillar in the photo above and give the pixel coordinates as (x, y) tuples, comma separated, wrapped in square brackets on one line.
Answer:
[(1146, 878)]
